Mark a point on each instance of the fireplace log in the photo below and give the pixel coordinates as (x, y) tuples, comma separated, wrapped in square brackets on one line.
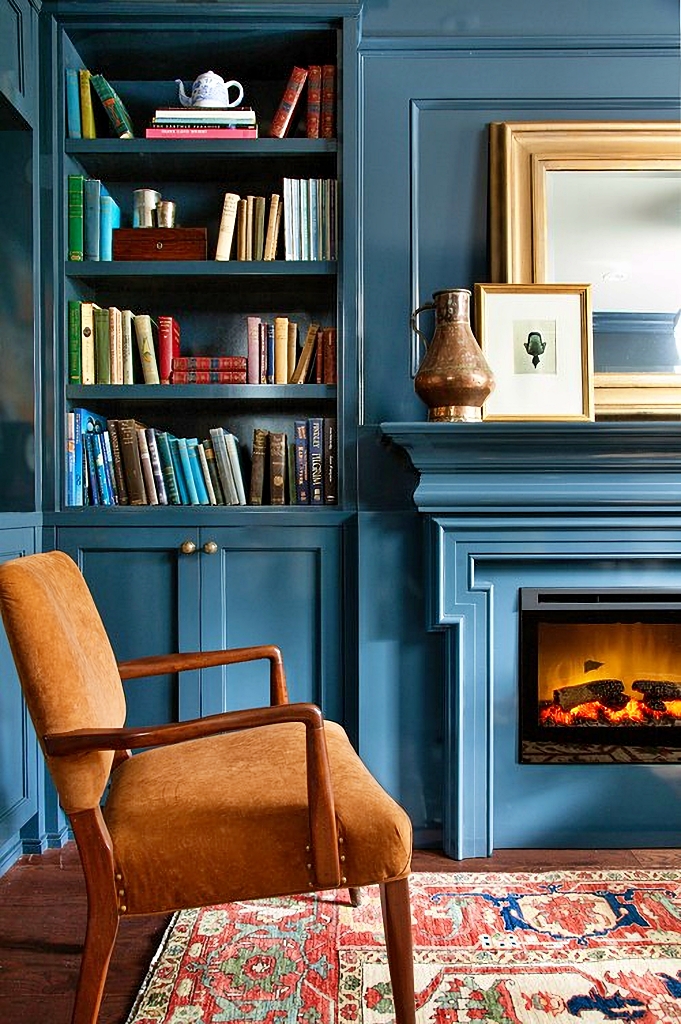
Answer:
[(606, 691), (657, 689)]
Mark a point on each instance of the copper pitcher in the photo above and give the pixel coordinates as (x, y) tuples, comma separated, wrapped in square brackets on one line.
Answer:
[(453, 379)]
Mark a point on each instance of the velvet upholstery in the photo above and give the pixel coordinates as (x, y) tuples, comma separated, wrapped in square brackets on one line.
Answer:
[(242, 805)]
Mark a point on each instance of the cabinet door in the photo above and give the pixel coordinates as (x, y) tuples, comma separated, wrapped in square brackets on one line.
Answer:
[(18, 745), (18, 40), (278, 585), (147, 591)]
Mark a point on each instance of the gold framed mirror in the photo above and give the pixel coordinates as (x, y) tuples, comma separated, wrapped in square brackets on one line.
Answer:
[(523, 159)]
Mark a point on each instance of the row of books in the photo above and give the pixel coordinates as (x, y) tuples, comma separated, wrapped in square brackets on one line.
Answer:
[(92, 216), (203, 123), (249, 227), (123, 462), (320, 120), (274, 356), (108, 345), (83, 92), (112, 461), (310, 218)]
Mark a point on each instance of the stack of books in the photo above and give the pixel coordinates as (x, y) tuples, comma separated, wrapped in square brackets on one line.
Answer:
[(203, 123), (301, 470)]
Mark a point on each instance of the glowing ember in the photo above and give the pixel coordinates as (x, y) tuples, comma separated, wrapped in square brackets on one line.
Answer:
[(635, 712)]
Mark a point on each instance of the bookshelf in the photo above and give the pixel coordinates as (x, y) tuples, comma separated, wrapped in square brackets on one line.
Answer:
[(142, 58)]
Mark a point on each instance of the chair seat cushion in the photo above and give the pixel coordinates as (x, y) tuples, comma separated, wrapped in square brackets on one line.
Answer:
[(225, 818)]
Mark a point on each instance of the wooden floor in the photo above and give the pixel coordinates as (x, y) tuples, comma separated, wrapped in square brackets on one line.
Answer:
[(42, 922)]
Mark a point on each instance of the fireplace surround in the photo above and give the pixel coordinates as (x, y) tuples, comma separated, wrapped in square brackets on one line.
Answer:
[(512, 507)]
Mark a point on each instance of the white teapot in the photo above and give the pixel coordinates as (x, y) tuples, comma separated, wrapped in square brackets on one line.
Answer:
[(210, 90)]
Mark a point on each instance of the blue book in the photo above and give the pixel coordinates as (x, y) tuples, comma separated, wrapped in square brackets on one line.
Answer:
[(110, 218), (92, 427), (183, 452), (72, 104), (301, 463), (197, 471), (180, 476), (315, 442), (91, 218), (167, 467)]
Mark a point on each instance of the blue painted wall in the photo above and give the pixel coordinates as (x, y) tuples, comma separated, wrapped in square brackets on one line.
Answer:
[(432, 77)]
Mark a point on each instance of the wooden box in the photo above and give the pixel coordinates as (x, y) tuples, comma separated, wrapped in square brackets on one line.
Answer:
[(159, 244)]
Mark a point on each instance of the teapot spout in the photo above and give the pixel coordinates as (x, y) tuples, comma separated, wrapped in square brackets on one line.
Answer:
[(184, 99)]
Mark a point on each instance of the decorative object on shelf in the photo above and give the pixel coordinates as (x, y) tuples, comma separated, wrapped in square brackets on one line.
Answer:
[(165, 213), (210, 90), (537, 338), (144, 203), (160, 244), (454, 378)]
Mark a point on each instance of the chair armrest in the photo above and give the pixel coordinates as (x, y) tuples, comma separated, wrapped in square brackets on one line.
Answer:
[(162, 664), (321, 809)]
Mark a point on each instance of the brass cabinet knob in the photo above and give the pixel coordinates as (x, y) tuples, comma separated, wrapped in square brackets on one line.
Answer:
[(188, 547), (210, 547)]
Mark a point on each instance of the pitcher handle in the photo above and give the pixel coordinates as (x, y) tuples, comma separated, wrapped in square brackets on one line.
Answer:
[(412, 321)]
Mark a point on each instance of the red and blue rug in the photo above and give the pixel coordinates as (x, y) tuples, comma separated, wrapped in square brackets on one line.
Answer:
[(550, 948)]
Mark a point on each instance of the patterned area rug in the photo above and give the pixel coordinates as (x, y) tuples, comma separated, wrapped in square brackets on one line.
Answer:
[(521, 948)]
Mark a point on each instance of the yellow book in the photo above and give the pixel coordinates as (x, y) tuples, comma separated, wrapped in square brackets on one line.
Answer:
[(87, 114), (281, 374), (292, 346), (227, 223), (87, 342)]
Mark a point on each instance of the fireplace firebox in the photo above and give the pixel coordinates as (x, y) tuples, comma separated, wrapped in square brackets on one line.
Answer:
[(600, 676)]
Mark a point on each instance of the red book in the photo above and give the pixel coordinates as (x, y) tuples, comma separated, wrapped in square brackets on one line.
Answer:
[(209, 377), (168, 346), (281, 122), (209, 363), (329, 359), (202, 133), (327, 123), (314, 100)]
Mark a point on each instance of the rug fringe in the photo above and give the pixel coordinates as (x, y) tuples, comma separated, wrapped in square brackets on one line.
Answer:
[(150, 970)]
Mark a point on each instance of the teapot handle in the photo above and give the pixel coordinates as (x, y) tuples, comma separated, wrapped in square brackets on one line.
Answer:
[(412, 321)]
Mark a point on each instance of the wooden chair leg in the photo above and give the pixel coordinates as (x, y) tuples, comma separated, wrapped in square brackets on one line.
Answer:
[(102, 913), (355, 896), (396, 909)]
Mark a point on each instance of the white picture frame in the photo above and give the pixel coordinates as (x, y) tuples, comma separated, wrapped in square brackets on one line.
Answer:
[(538, 342)]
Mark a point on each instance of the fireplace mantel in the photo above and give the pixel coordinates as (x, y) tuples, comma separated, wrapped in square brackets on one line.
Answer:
[(511, 505), (542, 464)]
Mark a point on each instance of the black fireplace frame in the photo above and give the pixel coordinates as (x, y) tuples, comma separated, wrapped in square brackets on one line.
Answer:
[(589, 743)]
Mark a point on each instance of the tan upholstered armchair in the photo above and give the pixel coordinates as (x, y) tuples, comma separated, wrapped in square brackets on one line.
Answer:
[(242, 805)]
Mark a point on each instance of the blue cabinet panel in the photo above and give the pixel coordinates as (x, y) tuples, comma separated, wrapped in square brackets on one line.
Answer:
[(18, 744), (18, 59)]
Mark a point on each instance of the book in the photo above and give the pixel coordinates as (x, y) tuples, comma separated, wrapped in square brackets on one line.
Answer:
[(73, 129), (206, 115), (227, 225), (75, 216), (281, 373), (259, 204), (272, 233), (127, 345), (330, 460), (253, 348), (209, 377), (179, 471), (197, 471), (145, 462), (315, 431), (302, 367), (91, 218), (145, 345), (156, 467), (208, 480), (269, 358), (242, 229), (211, 463), (258, 460), (130, 456), (70, 482), (187, 474), (115, 346), (277, 467), (283, 116), (210, 363), (292, 358), (167, 467), (327, 123), (198, 132), (262, 360), (74, 353), (224, 466), (109, 219), (87, 342), (314, 101), (232, 445), (102, 346), (117, 460), (168, 346), (301, 463), (119, 117), (329, 344), (87, 114)]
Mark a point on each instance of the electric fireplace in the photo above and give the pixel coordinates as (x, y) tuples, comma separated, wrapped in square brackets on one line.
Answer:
[(600, 676)]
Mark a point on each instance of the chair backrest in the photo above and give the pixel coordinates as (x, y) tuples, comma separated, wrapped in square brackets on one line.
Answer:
[(65, 664)]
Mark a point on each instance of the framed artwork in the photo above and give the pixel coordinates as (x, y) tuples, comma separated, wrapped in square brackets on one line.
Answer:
[(537, 339)]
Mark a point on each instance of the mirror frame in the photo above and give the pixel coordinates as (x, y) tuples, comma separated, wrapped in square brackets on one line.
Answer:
[(521, 154)]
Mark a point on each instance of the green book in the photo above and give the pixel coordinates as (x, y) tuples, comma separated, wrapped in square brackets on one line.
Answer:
[(102, 347), (114, 106), (75, 216), (74, 342)]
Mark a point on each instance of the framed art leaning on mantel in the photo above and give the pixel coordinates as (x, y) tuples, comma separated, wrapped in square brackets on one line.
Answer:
[(599, 201), (537, 341)]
